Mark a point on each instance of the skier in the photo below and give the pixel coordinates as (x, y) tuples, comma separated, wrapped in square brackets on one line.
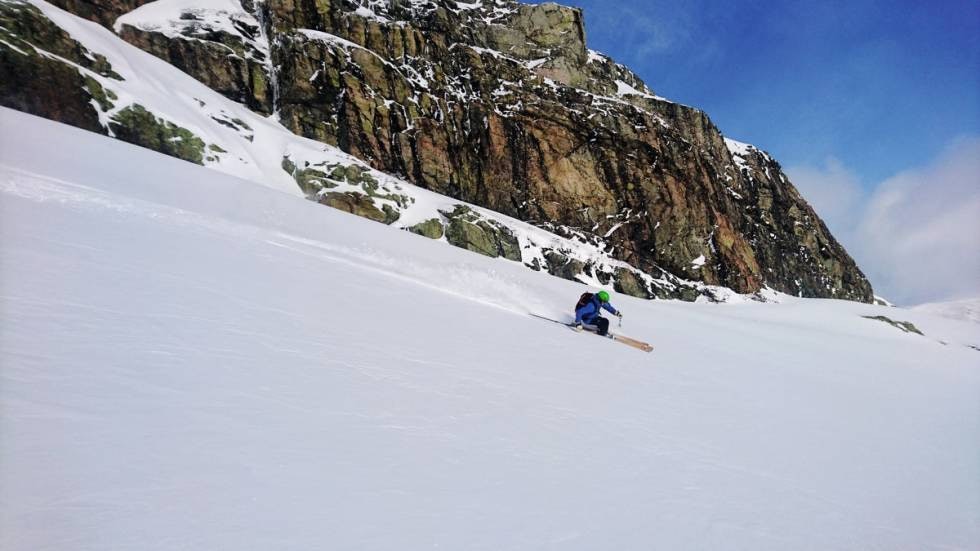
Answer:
[(588, 309)]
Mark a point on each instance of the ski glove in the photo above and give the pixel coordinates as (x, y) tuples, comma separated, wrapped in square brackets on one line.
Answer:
[(577, 327), (619, 314)]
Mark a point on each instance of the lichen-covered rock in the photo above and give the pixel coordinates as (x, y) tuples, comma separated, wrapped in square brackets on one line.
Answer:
[(45, 85), (138, 126), (46, 88), (562, 266), (431, 228), (311, 180), (501, 105), (904, 326), (231, 63), (355, 203), (391, 213), (469, 231), (504, 107), (471, 237), (104, 98), (628, 284), (510, 247), (25, 27)]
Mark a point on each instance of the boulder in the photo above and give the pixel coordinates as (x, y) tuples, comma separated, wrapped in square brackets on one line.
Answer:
[(354, 203), (562, 266), (138, 126), (628, 283), (431, 228), (469, 231)]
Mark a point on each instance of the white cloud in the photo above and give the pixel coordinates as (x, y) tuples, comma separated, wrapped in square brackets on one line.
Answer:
[(921, 229), (833, 191), (917, 236), (660, 26)]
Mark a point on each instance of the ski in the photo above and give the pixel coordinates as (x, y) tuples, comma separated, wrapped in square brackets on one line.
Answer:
[(637, 344)]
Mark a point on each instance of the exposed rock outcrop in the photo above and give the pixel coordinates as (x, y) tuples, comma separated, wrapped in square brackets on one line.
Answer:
[(44, 73), (468, 230), (904, 326), (354, 203), (499, 104), (226, 51), (37, 73), (138, 126), (431, 228), (502, 105), (103, 12)]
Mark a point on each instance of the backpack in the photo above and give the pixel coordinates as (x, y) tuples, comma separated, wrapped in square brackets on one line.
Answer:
[(583, 300)]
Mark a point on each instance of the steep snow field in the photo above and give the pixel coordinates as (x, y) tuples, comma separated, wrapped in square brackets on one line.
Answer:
[(193, 361), (254, 147)]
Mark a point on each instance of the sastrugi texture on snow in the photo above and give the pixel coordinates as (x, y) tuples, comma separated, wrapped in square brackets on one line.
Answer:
[(495, 103)]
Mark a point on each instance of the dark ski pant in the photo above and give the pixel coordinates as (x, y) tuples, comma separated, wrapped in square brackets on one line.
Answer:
[(601, 323)]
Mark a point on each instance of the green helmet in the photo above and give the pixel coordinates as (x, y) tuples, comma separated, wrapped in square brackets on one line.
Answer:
[(603, 296)]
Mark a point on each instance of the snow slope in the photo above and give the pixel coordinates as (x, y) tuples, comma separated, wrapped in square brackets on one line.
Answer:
[(254, 147), (966, 310), (190, 360)]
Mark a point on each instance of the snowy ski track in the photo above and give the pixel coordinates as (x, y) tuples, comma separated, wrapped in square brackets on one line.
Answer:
[(193, 361)]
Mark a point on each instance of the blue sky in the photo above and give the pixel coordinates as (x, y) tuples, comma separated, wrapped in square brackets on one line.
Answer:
[(881, 86), (872, 107)]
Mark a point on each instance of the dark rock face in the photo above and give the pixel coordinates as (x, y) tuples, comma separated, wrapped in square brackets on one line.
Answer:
[(103, 12), (41, 84), (36, 81), (43, 94), (562, 266), (228, 62), (138, 126), (500, 104), (503, 106)]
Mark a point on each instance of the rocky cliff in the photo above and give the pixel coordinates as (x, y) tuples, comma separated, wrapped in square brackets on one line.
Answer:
[(499, 104)]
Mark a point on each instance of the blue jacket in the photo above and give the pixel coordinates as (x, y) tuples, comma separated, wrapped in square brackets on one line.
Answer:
[(589, 312)]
